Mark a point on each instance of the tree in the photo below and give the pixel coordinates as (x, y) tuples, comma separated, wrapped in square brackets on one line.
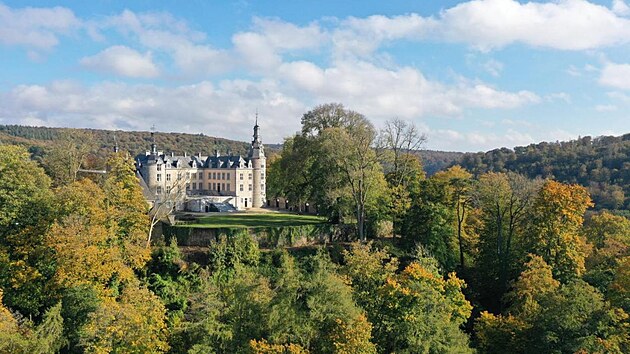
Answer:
[(505, 201), (416, 310), (67, 155), (134, 322), (558, 213), (166, 202), (397, 143), (459, 182), (84, 240), (26, 261), (361, 173), (128, 210)]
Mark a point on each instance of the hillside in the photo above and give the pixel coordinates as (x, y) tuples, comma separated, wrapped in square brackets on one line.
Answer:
[(602, 164), (135, 141)]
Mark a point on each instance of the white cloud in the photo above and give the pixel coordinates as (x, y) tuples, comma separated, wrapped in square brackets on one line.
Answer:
[(489, 24), (558, 96), (616, 75), (605, 108), (403, 91), (493, 67), (620, 8), (38, 28), (122, 61), (225, 110)]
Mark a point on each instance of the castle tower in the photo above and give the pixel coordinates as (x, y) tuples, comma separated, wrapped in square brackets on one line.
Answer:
[(257, 157), (153, 169)]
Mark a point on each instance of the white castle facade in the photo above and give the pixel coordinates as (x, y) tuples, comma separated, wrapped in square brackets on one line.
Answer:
[(194, 182)]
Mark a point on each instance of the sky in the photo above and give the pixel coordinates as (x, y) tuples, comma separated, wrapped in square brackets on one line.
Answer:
[(472, 75)]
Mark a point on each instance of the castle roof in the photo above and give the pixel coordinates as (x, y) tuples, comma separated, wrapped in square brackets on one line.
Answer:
[(195, 161)]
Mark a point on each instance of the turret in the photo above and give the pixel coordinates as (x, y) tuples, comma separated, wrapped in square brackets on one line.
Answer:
[(257, 157)]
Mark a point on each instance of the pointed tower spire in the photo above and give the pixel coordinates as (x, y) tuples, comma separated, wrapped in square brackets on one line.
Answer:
[(256, 130)]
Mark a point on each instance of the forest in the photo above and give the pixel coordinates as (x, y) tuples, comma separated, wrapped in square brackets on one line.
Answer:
[(469, 259)]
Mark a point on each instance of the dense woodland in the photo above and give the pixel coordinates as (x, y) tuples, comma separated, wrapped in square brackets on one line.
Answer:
[(601, 164), (461, 261)]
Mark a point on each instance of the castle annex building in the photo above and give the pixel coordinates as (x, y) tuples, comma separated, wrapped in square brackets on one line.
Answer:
[(198, 181)]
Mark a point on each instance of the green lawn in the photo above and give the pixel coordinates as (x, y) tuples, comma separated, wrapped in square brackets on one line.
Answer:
[(246, 220)]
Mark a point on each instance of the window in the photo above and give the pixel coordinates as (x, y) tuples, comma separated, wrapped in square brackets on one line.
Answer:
[(179, 176), (228, 175), (214, 175), (250, 176), (159, 167), (262, 186), (159, 177), (228, 187), (168, 189), (208, 175), (168, 177), (187, 186), (159, 190), (241, 177), (200, 175), (223, 175), (223, 186), (187, 175), (194, 185), (241, 188), (214, 186), (250, 187)]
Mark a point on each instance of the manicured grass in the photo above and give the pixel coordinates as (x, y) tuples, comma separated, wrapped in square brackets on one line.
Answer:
[(247, 220)]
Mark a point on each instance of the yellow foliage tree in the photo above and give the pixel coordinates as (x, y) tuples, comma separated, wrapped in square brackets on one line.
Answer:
[(558, 214), (83, 239), (132, 323)]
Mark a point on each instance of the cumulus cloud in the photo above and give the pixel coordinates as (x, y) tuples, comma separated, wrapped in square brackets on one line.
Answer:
[(37, 28), (224, 109), (616, 75), (490, 24), (403, 91), (122, 61), (620, 8)]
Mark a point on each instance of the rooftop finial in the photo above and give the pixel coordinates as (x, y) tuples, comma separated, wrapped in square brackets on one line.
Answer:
[(256, 116)]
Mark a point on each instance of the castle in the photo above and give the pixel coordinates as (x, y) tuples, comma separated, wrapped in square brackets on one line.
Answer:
[(197, 182)]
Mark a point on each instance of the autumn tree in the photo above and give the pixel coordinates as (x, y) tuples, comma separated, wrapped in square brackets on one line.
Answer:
[(554, 230), (127, 210), (397, 303), (133, 322)]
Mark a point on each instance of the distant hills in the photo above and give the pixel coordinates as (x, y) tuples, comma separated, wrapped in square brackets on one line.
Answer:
[(602, 164)]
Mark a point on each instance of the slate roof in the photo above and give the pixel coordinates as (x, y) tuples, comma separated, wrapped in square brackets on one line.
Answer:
[(195, 161)]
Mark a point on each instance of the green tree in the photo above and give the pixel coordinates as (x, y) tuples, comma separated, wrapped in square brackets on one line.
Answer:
[(26, 261)]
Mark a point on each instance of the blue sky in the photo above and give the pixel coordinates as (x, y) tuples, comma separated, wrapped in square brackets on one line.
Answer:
[(472, 75)]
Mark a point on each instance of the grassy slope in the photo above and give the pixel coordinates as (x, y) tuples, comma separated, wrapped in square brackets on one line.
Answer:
[(250, 220)]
